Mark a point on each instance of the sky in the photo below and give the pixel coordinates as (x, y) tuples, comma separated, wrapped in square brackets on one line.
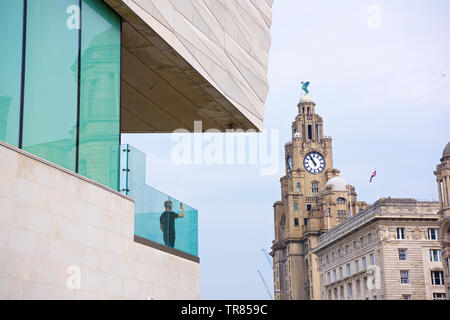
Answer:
[(382, 87)]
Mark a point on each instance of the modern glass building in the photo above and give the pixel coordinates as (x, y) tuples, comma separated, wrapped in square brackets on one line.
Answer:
[(60, 83)]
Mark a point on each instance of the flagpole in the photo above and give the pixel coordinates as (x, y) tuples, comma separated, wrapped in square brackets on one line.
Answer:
[(328, 217), (350, 200), (376, 184)]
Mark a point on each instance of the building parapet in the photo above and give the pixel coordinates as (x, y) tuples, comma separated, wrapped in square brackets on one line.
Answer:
[(380, 209)]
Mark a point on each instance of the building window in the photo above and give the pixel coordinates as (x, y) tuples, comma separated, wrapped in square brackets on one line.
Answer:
[(342, 214), (355, 245), (349, 290), (356, 266), (315, 189), (433, 233), (437, 278), (308, 207), (341, 274), (295, 206), (299, 189), (328, 277), (340, 252), (404, 276), (438, 296), (342, 293), (364, 263), (309, 130), (361, 241), (349, 271), (406, 297), (435, 255), (296, 222), (334, 275), (372, 259), (328, 259), (347, 251), (369, 239), (401, 233), (447, 265), (358, 287), (330, 297), (340, 201), (78, 104), (402, 254)]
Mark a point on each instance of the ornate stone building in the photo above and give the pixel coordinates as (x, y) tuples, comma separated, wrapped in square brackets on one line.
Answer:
[(314, 199), (390, 251), (443, 180)]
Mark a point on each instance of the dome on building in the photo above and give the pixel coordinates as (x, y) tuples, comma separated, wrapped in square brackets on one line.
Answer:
[(446, 152), (337, 184), (306, 98)]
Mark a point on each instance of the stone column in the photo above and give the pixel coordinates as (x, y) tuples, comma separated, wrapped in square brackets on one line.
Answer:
[(440, 194), (445, 187), (447, 180)]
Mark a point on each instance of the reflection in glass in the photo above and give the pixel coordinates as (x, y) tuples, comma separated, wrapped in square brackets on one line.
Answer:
[(50, 101), (99, 94), (11, 29), (158, 217)]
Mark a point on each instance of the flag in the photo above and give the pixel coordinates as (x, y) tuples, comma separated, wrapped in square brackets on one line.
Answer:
[(326, 210), (374, 173)]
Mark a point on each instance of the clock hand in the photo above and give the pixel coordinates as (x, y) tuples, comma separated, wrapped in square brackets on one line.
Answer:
[(314, 161)]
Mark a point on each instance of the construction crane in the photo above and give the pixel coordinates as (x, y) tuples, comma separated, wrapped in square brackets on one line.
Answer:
[(265, 285), (269, 259)]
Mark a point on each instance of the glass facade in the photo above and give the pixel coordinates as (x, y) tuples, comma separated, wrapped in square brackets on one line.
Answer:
[(11, 35), (68, 74), (158, 216), (50, 93)]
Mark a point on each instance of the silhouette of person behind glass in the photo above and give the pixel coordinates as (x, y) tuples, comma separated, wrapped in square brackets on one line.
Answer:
[(167, 223)]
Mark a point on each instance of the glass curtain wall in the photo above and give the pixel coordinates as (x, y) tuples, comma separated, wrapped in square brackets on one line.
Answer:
[(51, 81), (60, 83), (11, 35), (99, 94)]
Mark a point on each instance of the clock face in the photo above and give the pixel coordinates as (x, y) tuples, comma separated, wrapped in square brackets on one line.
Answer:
[(314, 162)]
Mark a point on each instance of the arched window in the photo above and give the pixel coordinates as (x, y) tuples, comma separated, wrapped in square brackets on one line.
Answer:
[(295, 206), (340, 201), (299, 189), (315, 188)]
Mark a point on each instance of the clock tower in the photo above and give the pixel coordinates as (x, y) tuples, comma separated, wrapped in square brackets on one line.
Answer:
[(314, 199)]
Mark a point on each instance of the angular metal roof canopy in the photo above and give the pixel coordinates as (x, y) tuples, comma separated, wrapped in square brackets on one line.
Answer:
[(193, 60)]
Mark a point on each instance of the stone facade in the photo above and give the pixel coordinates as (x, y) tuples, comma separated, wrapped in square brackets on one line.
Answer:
[(366, 256), (306, 193), (57, 226), (443, 181)]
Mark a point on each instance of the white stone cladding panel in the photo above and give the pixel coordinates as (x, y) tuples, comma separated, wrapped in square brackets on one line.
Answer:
[(51, 219), (226, 41)]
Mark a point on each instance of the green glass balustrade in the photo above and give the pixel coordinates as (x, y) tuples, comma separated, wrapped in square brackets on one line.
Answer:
[(152, 220)]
